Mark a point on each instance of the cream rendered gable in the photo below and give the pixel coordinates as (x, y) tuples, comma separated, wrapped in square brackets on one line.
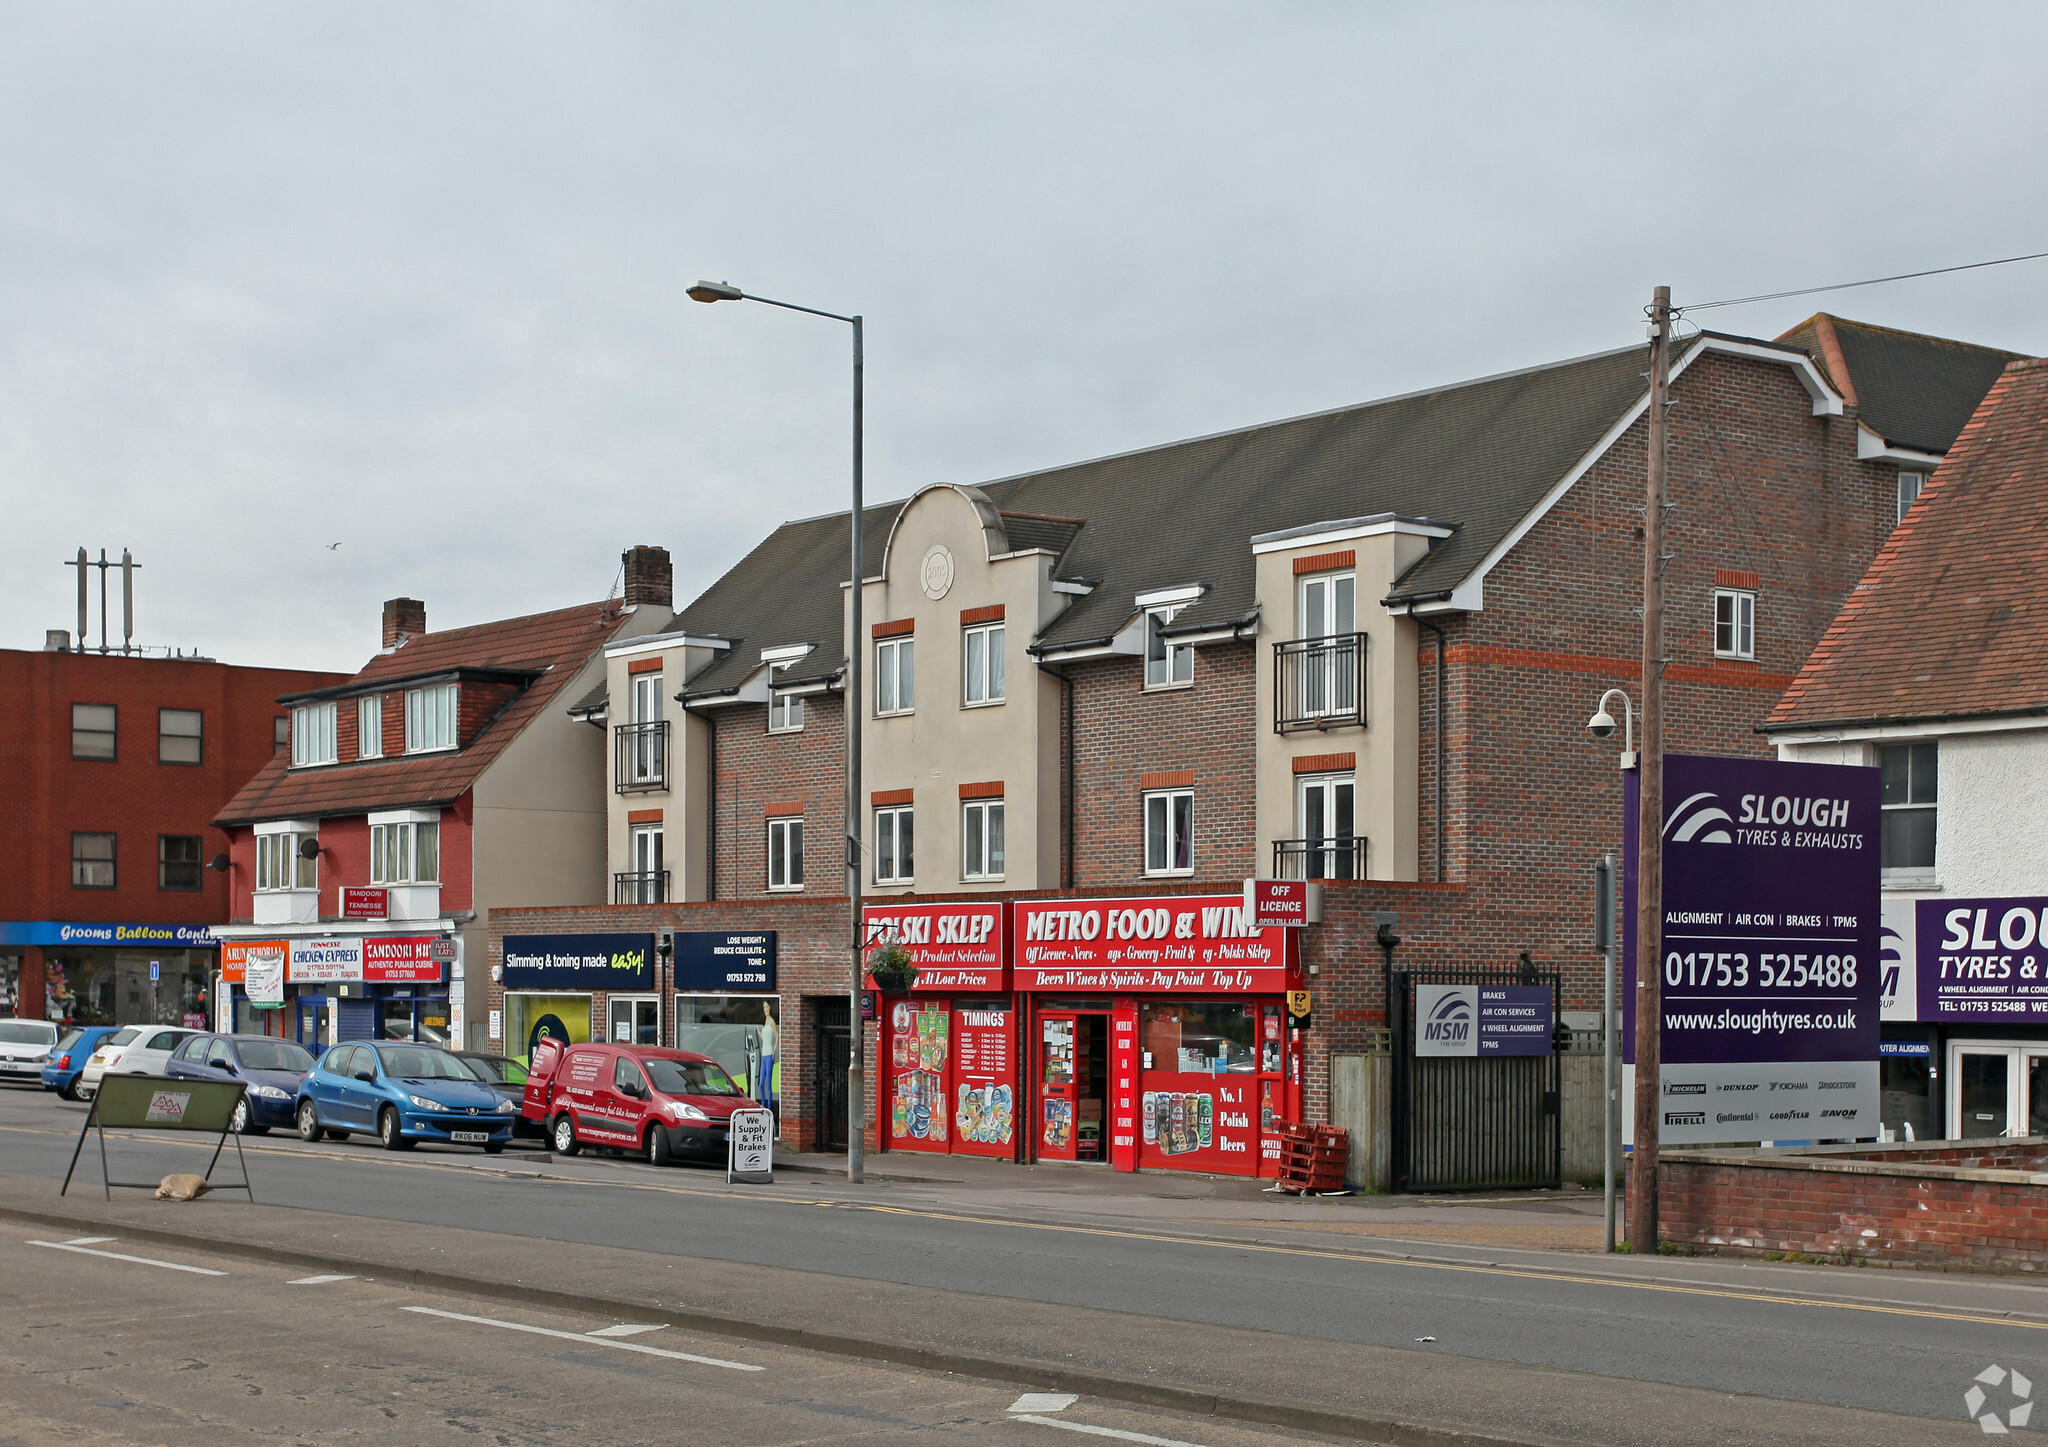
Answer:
[(947, 552)]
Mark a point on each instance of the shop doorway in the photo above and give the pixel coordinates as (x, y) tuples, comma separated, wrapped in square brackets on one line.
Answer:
[(1073, 1085), (2000, 1089), (633, 1020), (833, 1052), (313, 1021)]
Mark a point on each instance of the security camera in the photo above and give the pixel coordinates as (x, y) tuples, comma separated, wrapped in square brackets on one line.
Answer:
[(1601, 724)]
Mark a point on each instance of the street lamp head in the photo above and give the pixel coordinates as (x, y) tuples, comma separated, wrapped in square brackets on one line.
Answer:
[(716, 291), (1601, 724)]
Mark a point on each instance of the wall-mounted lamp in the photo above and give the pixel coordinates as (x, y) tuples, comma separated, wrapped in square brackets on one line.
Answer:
[(1601, 725)]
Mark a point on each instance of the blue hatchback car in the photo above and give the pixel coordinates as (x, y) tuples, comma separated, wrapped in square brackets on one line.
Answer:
[(403, 1094), (269, 1067), (68, 1057)]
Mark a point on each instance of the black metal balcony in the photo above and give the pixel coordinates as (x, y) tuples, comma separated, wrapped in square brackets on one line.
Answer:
[(648, 886), (1338, 857), (640, 756), (1319, 683)]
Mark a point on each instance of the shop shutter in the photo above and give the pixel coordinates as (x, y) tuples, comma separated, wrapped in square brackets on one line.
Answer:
[(355, 1019)]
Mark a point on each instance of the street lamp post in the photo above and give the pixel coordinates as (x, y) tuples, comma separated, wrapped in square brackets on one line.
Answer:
[(856, 1103), (1607, 887)]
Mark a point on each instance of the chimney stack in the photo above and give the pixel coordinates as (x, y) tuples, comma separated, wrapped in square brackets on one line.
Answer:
[(650, 578), (403, 618)]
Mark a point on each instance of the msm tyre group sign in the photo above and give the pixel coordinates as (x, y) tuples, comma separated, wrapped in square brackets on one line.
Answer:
[(1771, 958)]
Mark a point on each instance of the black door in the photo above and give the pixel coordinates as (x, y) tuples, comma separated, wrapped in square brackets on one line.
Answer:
[(834, 1053)]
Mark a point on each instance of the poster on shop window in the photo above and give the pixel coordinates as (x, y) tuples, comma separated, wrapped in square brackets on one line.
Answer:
[(1202, 1101), (952, 1076)]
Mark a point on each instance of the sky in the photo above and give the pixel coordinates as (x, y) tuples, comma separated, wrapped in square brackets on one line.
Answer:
[(316, 305)]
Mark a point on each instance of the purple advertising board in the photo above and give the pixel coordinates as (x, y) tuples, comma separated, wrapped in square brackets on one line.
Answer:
[(1771, 953), (1954, 960)]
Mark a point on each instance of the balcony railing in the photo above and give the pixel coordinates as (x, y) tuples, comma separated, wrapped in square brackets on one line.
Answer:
[(648, 886), (1339, 857), (1319, 683), (640, 756)]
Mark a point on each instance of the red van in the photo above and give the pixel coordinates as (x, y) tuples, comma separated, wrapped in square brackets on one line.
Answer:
[(631, 1097)]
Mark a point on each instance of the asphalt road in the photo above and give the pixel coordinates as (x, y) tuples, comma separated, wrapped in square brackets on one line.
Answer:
[(101, 1350), (1772, 1336)]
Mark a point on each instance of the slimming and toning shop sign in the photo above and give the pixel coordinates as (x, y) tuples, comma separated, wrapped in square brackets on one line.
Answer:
[(579, 962)]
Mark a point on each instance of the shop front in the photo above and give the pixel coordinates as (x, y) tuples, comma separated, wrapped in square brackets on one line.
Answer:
[(110, 974), (324, 990), (1158, 1032), (566, 987), (949, 1040), (726, 1006)]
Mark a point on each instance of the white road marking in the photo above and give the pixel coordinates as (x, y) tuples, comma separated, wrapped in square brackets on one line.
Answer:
[(1119, 1434), (318, 1280), (628, 1328), (120, 1256), (90, 1240), (613, 1342), (1044, 1402)]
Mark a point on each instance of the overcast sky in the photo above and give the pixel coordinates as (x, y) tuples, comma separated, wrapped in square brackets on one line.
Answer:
[(409, 278)]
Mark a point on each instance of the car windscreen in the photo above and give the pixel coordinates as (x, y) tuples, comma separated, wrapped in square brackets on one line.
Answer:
[(418, 1064), (690, 1077), (26, 1032), (274, 1055), (121, 1037), (495, 1069)]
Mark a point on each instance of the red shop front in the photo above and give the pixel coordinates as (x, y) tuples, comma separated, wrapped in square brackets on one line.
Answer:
[(1157, 1032), (949, 1047)]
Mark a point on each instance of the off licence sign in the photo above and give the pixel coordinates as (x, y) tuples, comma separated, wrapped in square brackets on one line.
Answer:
[(1286, 903)]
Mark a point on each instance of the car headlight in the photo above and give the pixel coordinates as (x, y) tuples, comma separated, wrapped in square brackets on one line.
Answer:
[(508, 1106), (424, 1104), (685, 1111), (269, 1092)]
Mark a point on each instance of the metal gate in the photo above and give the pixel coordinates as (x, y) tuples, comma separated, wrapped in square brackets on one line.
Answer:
[(832, 1041), (1477, 1123)]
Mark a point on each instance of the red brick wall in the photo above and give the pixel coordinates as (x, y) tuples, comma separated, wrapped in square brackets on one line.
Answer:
[(345, 860), (757, 768), (1891, 1213), (1122, 732)]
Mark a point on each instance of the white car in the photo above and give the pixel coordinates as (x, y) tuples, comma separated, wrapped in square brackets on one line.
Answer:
[(25, 1047), (137, 1050)]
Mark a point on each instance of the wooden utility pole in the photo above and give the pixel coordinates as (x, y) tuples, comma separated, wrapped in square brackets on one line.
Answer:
[(1642, 1214)]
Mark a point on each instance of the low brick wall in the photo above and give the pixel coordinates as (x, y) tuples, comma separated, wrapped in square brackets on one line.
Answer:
[(1951, 1205)]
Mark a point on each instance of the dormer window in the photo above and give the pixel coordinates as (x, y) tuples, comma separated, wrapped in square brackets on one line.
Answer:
[(785, 709), (1167, 664), (370, 727), (430, 718), (314, 728)]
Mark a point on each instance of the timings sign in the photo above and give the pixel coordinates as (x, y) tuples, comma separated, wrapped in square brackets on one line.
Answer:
[(1771, 950)]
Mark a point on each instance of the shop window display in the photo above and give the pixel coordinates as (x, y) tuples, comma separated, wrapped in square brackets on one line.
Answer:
[(743, 1033), (112, 987), (557, 1017), (1201, 1097)]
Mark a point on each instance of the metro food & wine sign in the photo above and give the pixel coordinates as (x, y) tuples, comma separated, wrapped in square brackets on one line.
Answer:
[(1147, 946)]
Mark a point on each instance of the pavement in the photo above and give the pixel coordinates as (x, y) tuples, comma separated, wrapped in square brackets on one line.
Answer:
[(1191, 1295)]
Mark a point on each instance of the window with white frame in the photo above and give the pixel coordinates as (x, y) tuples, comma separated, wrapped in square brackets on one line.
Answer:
[(1910, 484), (785, 711), (370, 727), (895, 846), (1734, 624), (786, 853), (1330, 848), (405, 853), (1910, 788), (981, 839), (1327, 675), (895, 675), (430, 718), (313, 734), (1167, 664), (645, 885), (982, 664), (283, 862), (1169, 832)]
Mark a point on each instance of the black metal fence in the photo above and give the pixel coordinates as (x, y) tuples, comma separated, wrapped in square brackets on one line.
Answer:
[(1340, 856), (1319, 683), (1478, 1123), (640, 756), (645, 886)]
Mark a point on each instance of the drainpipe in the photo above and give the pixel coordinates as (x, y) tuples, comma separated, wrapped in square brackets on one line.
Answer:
[(1067, 780), (1438, 746), (711, 806)]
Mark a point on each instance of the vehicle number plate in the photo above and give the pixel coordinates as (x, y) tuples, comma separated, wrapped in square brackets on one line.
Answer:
[(469, 1137)]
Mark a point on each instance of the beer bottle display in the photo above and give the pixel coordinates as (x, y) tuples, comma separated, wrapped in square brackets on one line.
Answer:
[(1207, 1107)]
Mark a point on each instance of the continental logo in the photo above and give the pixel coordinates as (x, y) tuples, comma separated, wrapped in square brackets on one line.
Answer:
[(1727, 1116)]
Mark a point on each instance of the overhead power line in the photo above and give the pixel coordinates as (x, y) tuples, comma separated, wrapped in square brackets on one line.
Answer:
[(1700, 306)]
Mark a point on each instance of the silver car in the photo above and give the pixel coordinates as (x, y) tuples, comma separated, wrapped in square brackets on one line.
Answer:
[(137, 1050), (25, 1047)]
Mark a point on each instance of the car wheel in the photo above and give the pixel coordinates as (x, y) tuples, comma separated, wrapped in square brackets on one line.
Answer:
[(563, 1135), (494, 1148), (659, 1151), (68, 1092), (239, 1121), (389, 1131), (309, 1122)]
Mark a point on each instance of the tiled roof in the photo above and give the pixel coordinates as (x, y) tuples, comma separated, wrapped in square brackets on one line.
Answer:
[(1952, 618), (552, 646), (1914, 391)]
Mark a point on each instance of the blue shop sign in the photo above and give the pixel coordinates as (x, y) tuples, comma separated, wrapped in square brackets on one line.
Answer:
[(1905, 1047), (579, 962), (62, 932), (718, 960)]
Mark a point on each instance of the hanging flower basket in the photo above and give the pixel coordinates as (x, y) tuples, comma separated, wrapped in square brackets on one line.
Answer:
[(893, 969)]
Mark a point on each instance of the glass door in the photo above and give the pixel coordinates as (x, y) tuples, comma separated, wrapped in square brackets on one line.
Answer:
[(633, 1020), (1986, 1079), (1056, 1088)]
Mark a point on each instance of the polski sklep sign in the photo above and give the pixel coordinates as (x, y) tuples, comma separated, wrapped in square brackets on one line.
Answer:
[(1771, 965), (1981, 961), (1477, 1020)]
